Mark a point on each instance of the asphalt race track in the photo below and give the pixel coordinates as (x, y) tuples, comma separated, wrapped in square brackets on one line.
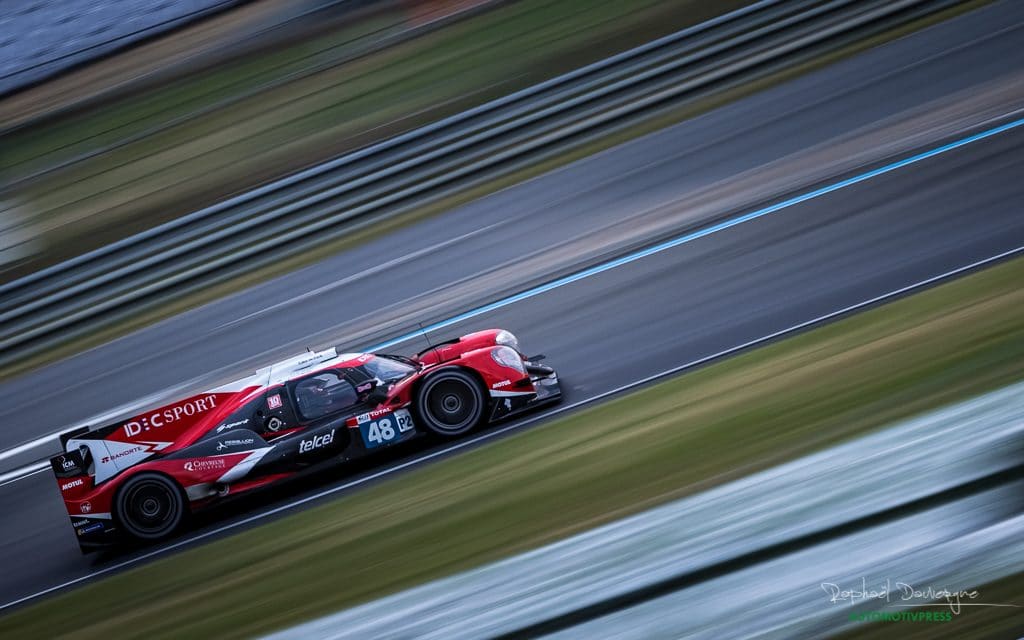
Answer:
[(622, 325)]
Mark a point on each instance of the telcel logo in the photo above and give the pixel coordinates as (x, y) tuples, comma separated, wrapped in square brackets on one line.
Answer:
[(316, 442)]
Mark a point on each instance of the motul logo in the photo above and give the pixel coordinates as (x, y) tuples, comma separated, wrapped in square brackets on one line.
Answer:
[(170, 415), (72, 484)]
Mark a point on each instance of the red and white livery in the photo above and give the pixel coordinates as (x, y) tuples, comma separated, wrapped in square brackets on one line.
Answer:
[(141, 477)]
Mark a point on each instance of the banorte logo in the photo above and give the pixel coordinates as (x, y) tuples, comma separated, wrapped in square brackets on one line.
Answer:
[(170, 415), (121, 454)]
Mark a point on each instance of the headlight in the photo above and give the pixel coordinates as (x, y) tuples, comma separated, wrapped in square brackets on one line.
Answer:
[(508, 357), (506, 338)]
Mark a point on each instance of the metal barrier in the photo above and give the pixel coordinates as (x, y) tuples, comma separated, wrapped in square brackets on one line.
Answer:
[(321, 204), (686, 569), (643, 576)]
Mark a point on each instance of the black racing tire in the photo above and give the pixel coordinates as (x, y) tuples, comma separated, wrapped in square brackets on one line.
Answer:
[(450, 403), (150, 506)]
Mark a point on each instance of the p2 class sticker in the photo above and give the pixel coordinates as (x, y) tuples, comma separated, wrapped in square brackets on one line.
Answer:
[(274, 401), (404, 420), (385, 429)]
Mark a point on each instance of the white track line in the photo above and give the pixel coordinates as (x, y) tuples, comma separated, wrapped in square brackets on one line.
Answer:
[(497, 432), (620, 261)]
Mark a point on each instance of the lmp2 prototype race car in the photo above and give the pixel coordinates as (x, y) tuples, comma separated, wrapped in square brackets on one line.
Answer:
[(140, 478)]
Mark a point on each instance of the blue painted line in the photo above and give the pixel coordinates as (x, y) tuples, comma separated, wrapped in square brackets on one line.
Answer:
[(706, 231)]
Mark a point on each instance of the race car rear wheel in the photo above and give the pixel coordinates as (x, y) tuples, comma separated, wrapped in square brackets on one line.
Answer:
[(150, 506), (450, 403)]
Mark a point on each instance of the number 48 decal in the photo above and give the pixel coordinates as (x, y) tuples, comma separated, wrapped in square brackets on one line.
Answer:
[(381, 431), (386, 428)]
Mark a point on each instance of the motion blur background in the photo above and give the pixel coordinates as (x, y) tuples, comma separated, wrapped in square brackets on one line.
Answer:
[(762, 242)]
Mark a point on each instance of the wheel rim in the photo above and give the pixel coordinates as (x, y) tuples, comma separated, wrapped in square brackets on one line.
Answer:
[(150, 507), (452, 405)]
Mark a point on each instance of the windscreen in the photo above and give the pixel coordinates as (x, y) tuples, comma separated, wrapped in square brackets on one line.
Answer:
[(386, 369)]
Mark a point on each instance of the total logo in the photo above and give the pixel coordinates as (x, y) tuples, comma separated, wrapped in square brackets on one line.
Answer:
[(71, 485), (169, 415), (373, 415), (205, 465), (316, 442)]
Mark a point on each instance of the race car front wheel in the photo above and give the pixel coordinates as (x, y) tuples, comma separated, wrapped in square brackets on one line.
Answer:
[(150, 506), (450, 403)]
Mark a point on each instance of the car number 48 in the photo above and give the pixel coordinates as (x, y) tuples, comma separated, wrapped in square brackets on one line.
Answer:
[(386, 428)]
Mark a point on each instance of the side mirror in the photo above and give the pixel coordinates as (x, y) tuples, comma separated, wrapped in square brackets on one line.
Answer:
[(374, 391)]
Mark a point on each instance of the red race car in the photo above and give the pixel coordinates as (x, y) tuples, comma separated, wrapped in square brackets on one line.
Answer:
[(140, 478)]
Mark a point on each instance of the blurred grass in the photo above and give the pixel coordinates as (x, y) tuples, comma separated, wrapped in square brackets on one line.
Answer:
[(342, 107), (972, 623), (39, 147), (666, 441), (166, 308)]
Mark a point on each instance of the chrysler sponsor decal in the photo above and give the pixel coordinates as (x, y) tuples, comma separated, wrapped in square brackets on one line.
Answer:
[(207, 464), (170, 415)]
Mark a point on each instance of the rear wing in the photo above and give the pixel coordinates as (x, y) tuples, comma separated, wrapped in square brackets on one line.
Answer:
[(88, 509), (91, 457), (69, 464), (74, 433)]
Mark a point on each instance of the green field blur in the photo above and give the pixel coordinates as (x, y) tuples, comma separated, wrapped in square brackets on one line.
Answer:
[(150, 157), (562, 38), (669, 440)]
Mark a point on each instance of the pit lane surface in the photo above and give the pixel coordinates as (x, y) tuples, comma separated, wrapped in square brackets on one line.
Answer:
[(622, 325)]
